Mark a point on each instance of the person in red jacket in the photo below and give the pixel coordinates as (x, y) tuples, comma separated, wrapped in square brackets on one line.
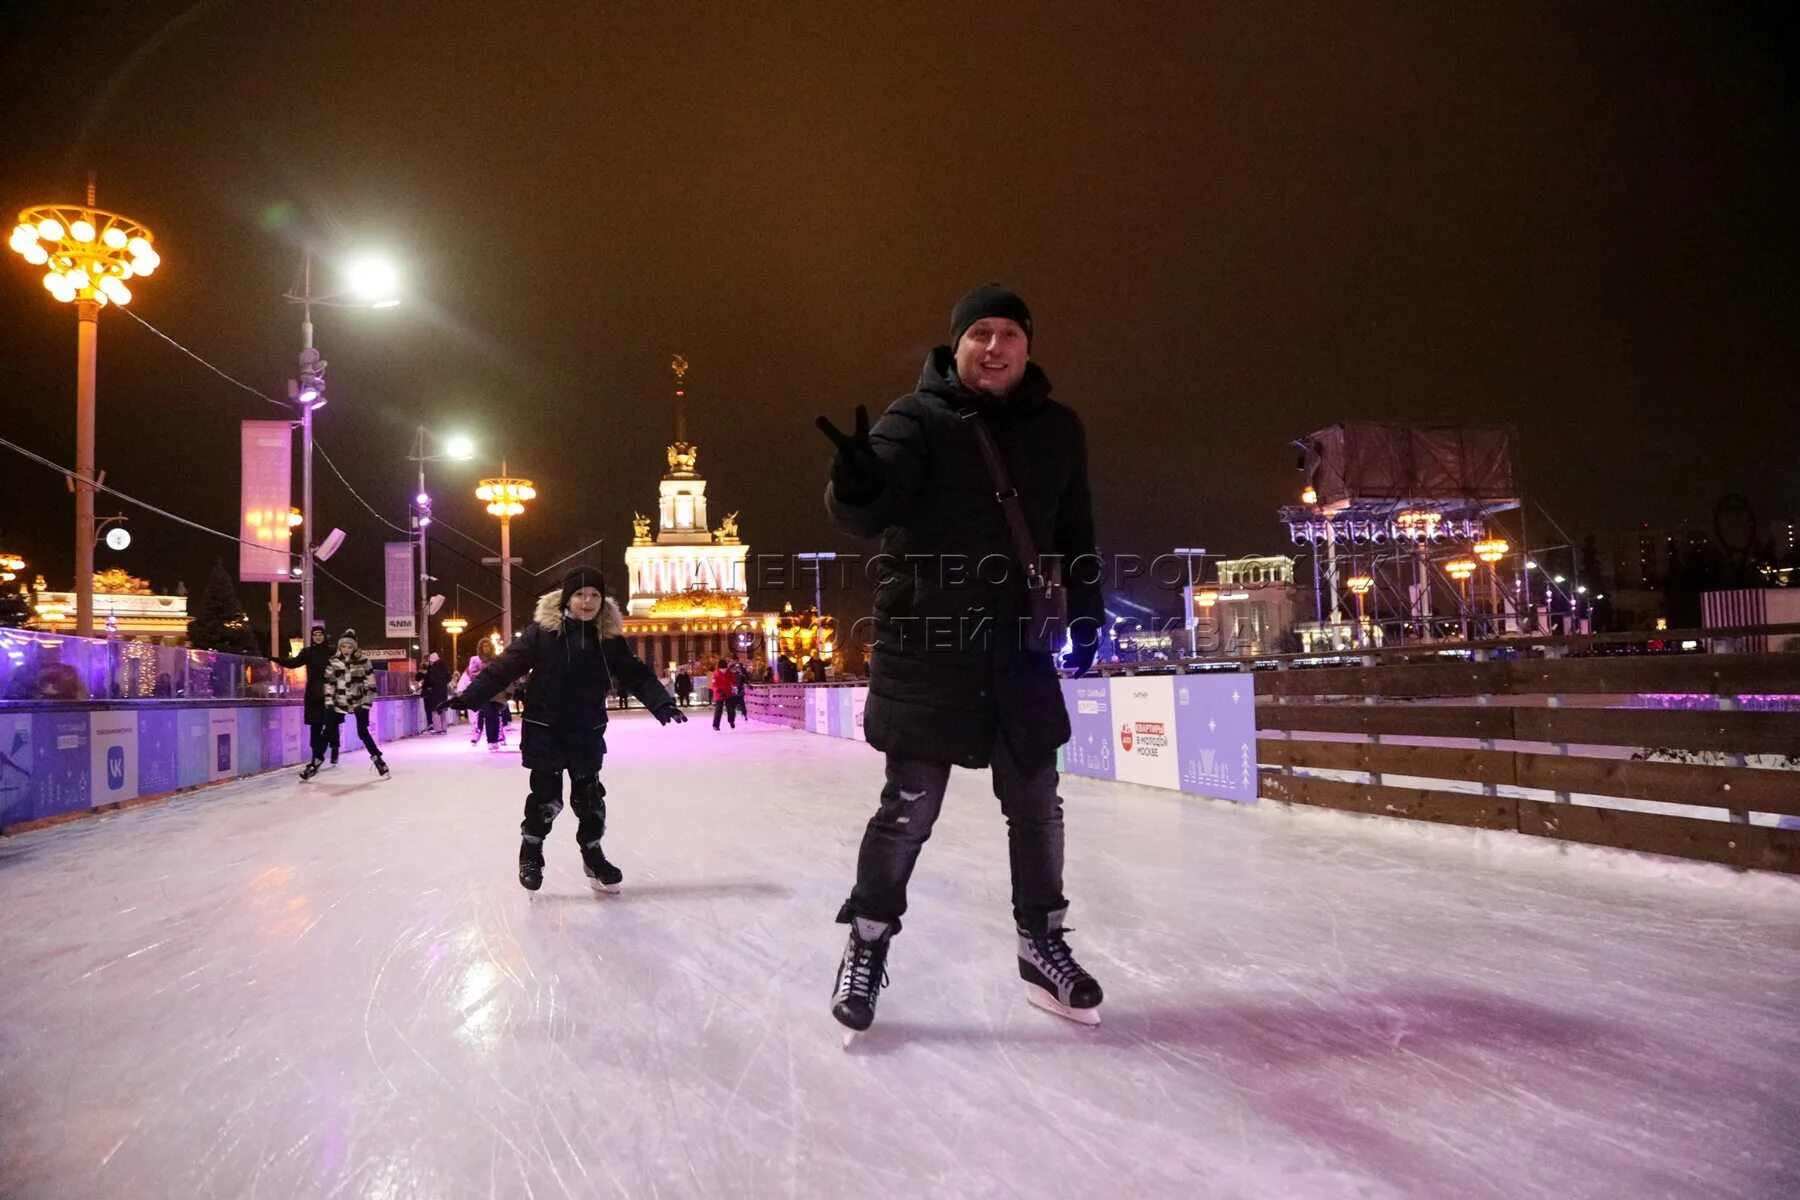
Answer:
[(724, 688)]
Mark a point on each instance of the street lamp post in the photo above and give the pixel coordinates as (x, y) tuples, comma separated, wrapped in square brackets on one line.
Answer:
[(818, 559), (454, 627), (1460, 570), (1189, 553), (505, 497), (371, 284), (460, 449), (1491, 551), (88, 254), (1359, 586)]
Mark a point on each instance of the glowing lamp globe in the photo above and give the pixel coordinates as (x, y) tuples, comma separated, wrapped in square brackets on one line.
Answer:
[(89, 252)]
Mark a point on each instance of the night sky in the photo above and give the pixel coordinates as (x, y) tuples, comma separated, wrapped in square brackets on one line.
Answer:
[(1234, 223)]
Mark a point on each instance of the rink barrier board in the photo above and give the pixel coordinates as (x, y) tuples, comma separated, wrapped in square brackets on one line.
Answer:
[(65, 760), (1186, 733)]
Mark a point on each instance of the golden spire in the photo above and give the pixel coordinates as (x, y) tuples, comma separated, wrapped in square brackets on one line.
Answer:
[(682, 455)]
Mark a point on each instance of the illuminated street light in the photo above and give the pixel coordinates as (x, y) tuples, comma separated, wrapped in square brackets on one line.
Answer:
[(374, 281), (454, 627), (88, 253), (505, 497)]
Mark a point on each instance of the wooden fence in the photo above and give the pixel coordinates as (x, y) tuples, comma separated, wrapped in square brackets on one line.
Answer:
[(1570, 712)]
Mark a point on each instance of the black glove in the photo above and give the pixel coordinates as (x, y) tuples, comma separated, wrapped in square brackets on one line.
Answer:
[(1080, 658), (456, 702), (857, 475), (667, 711)]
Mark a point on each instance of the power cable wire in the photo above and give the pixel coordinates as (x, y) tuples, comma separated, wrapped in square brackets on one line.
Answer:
[(216, 371)]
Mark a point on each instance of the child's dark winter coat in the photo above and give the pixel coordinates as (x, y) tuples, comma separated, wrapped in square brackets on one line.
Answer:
[(573, 665)]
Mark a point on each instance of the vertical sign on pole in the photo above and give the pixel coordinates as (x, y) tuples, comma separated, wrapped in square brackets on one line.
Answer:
[(401, 622), (266, 493)]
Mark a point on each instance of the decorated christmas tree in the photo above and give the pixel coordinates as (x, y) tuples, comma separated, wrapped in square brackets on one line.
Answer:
[(221, 623)]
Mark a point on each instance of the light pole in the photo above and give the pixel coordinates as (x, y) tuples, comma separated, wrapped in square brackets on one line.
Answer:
[(818, 559), (505, 497), (1359, 586), (1491, 552), (460, 449), (1460, 569), (88, 254), (454, 627), (1189, 553), (370, 283)]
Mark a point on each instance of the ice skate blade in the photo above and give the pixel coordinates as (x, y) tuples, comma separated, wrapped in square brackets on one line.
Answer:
[(850, 1036), (1042, 999), (610, 889)]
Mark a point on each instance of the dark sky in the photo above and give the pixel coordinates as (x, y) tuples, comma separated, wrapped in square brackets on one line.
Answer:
[(1234, 223)]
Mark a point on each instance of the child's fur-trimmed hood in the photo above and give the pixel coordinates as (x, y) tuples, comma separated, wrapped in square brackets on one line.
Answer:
[(549, 615)]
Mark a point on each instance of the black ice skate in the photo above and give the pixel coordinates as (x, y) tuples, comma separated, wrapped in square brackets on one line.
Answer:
[(531, 863), (861, 975), (1054, 981), (309, 770), (381, 767), (602, 875)]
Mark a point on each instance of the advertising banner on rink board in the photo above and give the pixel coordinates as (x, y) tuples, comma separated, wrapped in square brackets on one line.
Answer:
[(1091, 733), (1215, 735), (1143, 721), (266, 493), (400, 619)]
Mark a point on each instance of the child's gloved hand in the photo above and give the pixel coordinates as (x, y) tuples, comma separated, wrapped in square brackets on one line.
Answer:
[(454, 702), (667, 711)]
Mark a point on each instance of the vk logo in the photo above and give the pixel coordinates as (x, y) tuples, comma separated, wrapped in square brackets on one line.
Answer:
[(115, 768)]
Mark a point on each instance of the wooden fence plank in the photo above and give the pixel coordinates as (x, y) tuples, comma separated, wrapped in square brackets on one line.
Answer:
[(1758, 847), (1435, 762), (1685, 729), (1749, 788), (1418, 804), (1403, 720), (1712, 674)]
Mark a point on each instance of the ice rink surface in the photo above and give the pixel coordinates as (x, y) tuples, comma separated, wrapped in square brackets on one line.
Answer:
[(339, 989)]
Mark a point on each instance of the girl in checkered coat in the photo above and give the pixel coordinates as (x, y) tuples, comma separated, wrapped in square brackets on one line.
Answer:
[(350, 690)]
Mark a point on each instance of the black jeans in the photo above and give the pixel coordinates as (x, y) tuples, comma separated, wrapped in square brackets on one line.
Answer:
[(588, 798), (489, 720), (727, 708), (325, 739), (909, 808), (362, 731)]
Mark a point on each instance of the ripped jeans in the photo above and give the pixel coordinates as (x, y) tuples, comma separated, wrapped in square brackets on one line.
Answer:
[(910, 804)]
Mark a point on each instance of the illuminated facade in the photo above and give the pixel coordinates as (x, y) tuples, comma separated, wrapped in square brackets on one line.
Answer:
[(690, 594), (124, 608)]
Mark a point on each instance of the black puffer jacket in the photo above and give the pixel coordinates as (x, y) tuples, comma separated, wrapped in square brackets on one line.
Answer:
[(948, 671), (573, 665), (313, 658)]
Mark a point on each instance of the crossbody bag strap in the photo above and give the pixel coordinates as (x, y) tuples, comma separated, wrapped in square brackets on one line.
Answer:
[(1024, 546)]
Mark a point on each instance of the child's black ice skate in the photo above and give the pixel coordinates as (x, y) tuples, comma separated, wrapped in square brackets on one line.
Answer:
[(861, 974), (602, 875), (1054, 981), (309, 770), (531, 864), (381, 767)]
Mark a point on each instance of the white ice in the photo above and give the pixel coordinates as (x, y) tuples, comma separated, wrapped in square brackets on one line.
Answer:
[(339, 989)]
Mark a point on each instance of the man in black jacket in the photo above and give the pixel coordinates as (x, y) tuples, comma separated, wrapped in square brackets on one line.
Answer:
[(953, 680), (574, 649)]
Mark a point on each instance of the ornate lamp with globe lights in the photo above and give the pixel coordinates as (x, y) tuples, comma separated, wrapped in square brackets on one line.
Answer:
[(505, 497), (90, 258)]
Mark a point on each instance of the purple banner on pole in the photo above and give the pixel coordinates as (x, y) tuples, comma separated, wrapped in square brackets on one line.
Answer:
[(267, 494), (1215, 735), (1090, 748), (400, 621)]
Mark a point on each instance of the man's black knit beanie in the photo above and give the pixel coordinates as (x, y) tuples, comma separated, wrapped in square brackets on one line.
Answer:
[(988, 300)]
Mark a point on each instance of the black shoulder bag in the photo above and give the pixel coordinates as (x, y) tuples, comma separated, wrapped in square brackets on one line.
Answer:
[(1047, 601)]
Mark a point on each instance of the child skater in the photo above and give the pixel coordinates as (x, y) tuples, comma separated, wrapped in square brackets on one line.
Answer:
[(574, 649)]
